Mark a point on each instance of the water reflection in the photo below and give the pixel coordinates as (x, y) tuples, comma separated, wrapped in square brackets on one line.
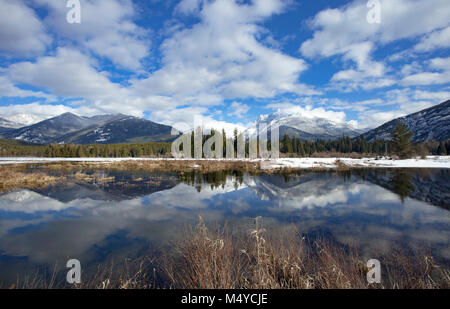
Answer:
[(375, 210)]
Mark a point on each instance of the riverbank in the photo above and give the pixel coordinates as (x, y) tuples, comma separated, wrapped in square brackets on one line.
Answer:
[(242, 164)]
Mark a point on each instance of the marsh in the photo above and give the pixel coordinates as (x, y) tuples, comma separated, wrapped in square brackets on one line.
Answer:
[(117, 215)]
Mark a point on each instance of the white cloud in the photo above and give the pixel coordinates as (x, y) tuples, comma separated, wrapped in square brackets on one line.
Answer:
[(336, 29), (41, 111), (435, 40), (426, 78), (185, 119), (442, 65), (406, 101), (238, 109), (441, 96), (21, 31), (68, 73), (226, 55), (7, 89), (221, 55), (345, 31), (106, 29), (308, 111), (188, 6)]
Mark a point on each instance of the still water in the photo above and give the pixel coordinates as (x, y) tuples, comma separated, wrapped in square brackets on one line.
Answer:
[(136, 213)]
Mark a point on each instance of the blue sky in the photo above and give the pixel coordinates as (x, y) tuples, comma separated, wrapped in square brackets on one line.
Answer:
[(225, 61)]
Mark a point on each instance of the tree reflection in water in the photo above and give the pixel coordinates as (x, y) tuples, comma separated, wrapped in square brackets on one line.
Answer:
[(402, 184)]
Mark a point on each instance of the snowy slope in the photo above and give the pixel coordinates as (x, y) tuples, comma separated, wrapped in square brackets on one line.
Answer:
[(305, 128), (24, 119), (430, 124)]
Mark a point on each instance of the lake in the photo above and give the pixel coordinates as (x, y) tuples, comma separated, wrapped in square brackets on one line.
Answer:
[(136, 213)]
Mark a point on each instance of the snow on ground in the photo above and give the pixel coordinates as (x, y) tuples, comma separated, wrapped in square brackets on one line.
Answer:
[(300, 163), (429, 162)]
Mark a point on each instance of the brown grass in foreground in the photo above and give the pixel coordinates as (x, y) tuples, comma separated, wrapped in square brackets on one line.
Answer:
[(216, 260)]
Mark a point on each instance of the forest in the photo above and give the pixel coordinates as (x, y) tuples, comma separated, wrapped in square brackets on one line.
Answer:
[(399, 145)]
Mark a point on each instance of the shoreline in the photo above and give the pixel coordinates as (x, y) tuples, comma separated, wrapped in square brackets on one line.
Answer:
[(259, 164)]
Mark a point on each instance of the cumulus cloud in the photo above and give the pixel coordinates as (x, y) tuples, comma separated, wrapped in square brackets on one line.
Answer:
[(435, 40), (346, 32), (21, 39), (107, 29), (7, 89), (187, 118), (43, 111), (217, 51), (441, 74), (68, 73), (238, 109), (221, 55), (307, 111), (405, 101)]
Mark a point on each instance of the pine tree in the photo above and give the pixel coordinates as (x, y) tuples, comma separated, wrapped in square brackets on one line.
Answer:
[(401, 141), (441, 151), (287, 144)]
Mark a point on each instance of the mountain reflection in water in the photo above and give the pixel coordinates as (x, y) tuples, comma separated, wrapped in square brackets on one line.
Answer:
[(374, 210)]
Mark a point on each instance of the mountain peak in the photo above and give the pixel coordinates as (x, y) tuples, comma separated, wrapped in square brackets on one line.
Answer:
[(305, 127), (68, 114)]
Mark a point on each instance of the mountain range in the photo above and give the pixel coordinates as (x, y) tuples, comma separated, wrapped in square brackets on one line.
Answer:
[(101, 129), (429, 124), (305, 128)]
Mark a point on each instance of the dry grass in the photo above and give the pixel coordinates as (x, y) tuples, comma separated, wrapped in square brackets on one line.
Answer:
[(285, 260), (204, 260), (93, 178), (216, 259), (14, 177), (129, 274), (201, 166), (136, 274)]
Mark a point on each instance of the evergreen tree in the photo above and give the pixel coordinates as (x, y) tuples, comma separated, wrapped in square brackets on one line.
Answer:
[(287, 144), (401, 141), (442, 150)]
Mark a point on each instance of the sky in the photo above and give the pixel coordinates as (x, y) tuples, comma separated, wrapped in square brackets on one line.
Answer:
[(225, 61)]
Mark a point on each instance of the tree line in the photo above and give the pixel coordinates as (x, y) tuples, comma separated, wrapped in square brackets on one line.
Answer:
[(399, 144), (14, 149)]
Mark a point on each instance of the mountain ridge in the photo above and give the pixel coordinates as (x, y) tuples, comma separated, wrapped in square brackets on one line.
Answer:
[(304, 128), (102, 129), (432, 123)]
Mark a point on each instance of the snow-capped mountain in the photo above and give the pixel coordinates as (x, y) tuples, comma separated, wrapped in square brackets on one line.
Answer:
[(46, 131), (101, 129), (305, 127), (24, 120), (120, 129), (429, 124), (8, 124)]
